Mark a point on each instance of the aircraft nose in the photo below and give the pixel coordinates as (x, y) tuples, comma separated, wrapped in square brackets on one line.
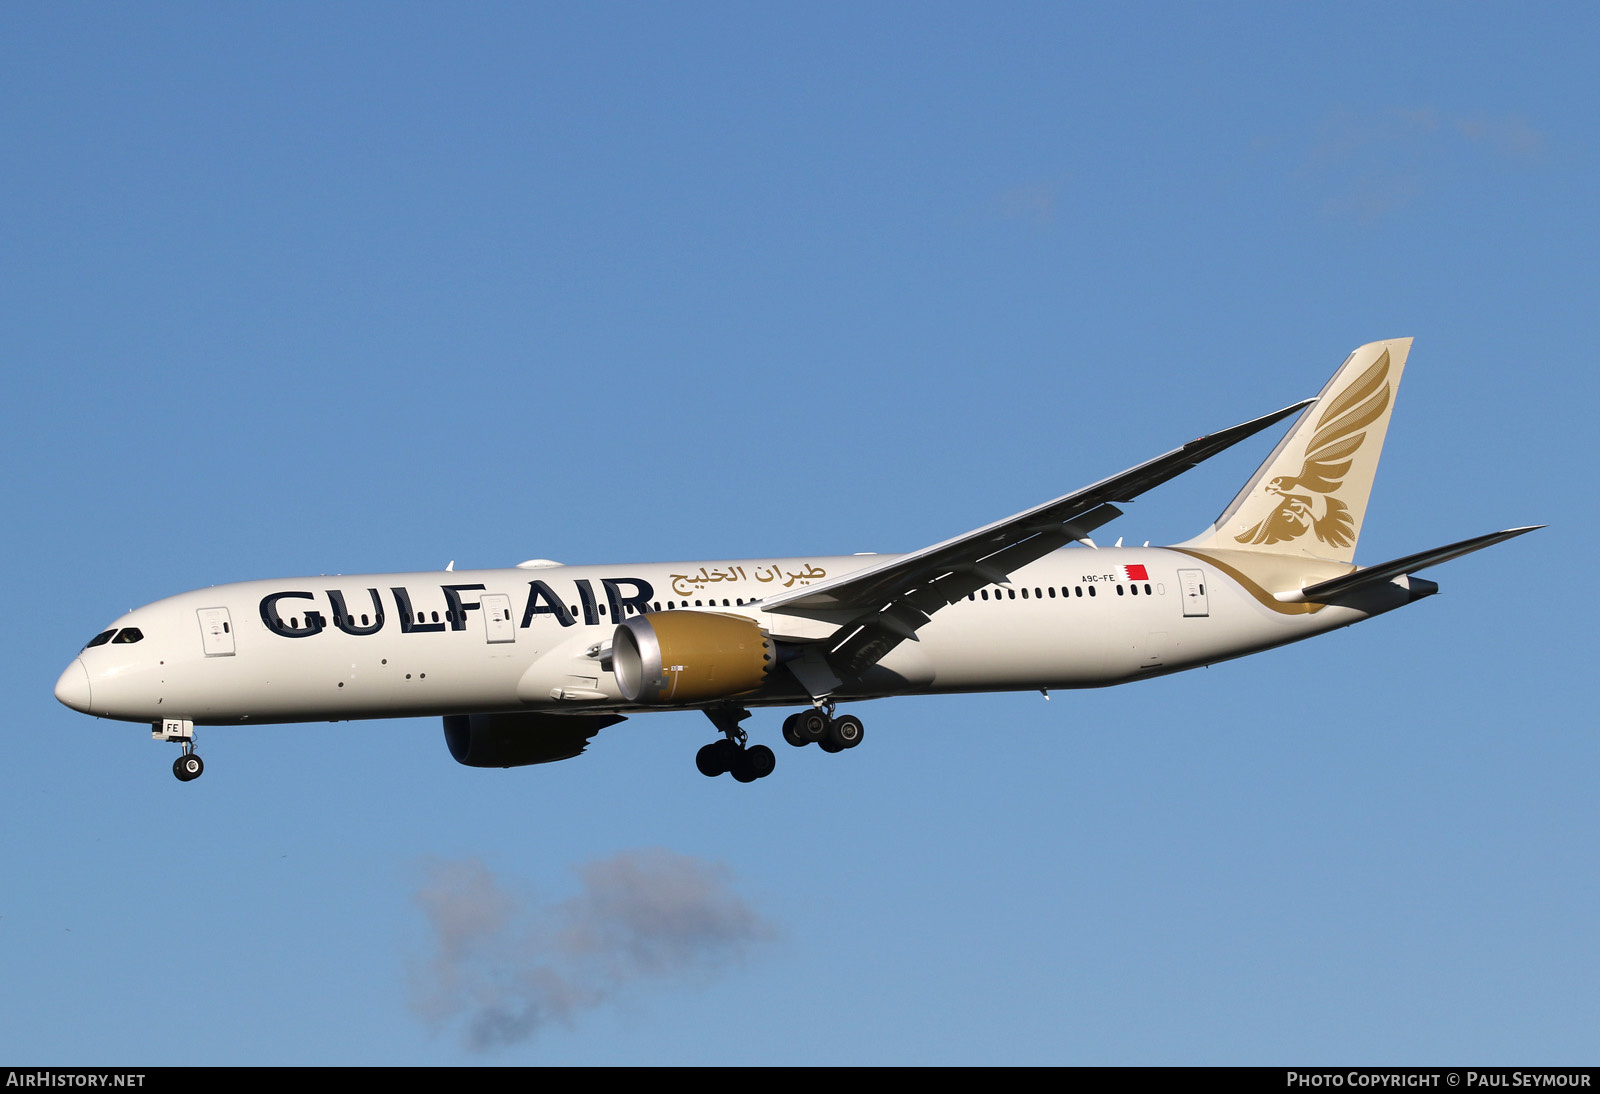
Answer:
[(73, 687)]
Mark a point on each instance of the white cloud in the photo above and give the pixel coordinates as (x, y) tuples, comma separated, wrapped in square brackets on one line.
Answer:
[(1371, 164), (504, 965)]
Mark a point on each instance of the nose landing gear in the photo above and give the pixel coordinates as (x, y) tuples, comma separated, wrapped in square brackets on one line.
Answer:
[(189, 766)]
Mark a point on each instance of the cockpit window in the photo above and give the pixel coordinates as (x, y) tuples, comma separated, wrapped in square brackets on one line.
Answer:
[(128, 634), (100, 639)]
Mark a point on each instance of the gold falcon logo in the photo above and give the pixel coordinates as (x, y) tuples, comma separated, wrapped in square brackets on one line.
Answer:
[(1308, 502)]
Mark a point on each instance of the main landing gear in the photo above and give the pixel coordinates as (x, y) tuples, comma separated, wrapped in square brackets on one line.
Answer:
[(744, 764), (820, 727), (729, 755), (189, 766)]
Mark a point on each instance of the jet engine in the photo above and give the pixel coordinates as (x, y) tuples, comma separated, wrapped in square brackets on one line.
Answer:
[(687, 657), (517, 740)]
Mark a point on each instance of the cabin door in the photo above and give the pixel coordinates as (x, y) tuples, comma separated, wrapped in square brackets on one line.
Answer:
[(216, 632), (1193, 584)]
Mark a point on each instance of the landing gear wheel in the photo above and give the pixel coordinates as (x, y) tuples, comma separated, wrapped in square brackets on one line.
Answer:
[(846, 731), (791, 731), (759, 758), (188, 767), (811, 725), (754, 763), (717, 758)]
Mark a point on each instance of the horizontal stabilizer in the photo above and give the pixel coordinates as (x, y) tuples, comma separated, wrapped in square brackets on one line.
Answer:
[(1325, 591)]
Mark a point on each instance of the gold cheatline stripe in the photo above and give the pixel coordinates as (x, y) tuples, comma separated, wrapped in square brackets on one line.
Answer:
[(1251, 587)]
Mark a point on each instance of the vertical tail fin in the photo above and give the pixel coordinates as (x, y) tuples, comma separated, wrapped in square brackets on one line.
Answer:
[(1310, 495)]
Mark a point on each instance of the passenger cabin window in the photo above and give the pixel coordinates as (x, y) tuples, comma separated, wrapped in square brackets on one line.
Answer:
[(100, 639), (128, 634)]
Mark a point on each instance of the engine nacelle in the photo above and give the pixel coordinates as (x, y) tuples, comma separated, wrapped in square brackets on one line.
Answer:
[(516, 740), (688, 657)]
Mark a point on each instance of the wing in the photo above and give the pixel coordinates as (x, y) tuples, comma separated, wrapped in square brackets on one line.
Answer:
[(879, 607)]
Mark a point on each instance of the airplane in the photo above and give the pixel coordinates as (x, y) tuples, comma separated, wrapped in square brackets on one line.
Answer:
[(525, 665)]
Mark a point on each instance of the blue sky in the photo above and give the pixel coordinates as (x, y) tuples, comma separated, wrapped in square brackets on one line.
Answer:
[(296, 289)]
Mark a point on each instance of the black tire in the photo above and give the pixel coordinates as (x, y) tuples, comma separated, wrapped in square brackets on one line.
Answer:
[(791, 731), (846, 731), (812, 725), (188, 767), (744, 769), (760, 760), (712, 760)]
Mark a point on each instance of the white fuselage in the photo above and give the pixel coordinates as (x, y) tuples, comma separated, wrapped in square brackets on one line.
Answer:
[(535, 639)]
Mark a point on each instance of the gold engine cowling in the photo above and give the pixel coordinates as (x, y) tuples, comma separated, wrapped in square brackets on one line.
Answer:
[(688, 657)]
